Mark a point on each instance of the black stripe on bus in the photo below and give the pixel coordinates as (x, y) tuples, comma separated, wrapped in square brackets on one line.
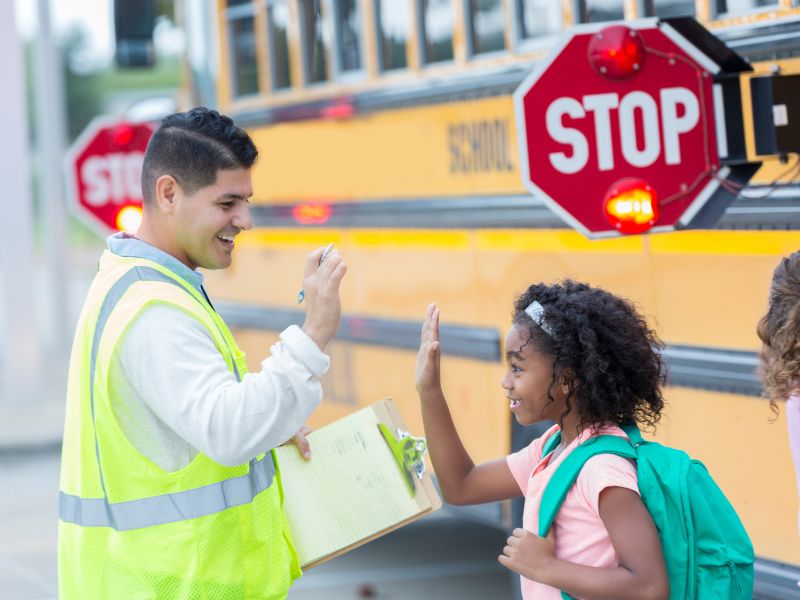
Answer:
[(759, 207), (718, 369), (775, 580), (770, 39), (480, 343)]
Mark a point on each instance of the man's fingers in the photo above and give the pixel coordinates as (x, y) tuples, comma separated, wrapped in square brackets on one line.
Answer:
[(303, 447), (312, 261), (338, 272), (435, 325)]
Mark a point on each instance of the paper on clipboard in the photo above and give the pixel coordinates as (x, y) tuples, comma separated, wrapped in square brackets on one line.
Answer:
[(352, 490)]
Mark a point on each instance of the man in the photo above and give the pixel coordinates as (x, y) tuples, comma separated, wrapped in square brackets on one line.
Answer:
[(168, 485)]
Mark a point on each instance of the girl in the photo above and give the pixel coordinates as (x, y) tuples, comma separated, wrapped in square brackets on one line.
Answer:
[(585, 359), (779, 329)]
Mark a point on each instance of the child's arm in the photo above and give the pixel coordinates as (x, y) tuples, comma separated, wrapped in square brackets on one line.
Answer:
[(641, 574), (460, 480)]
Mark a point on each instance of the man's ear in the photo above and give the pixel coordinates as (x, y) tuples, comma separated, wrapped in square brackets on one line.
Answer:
[(167, 191)]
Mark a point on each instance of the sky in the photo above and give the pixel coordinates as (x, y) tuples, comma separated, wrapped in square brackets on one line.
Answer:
[(93, 16)]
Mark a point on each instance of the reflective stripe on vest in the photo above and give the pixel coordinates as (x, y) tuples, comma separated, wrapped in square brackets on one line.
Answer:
[(165, 508)]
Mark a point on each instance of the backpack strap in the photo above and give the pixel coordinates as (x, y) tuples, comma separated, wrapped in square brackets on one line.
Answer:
[(567, 472), (551, 443)]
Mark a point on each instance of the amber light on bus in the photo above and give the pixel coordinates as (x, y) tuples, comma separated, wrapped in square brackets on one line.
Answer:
[(631, 206), (616, 52), (315, 213), (129, 218)]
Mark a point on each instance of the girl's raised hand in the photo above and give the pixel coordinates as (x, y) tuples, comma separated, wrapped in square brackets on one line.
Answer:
[(528, 554), (428, 357)]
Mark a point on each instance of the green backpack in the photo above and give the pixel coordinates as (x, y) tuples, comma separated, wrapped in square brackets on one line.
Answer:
[(706, 549)]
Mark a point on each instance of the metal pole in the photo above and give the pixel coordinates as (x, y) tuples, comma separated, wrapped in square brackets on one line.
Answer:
[(51, 135), (20, 376)]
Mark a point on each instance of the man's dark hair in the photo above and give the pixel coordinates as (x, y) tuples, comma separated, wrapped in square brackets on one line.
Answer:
[(192, 147)]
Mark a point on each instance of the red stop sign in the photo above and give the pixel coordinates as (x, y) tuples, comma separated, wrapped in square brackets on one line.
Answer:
[(594, 114), (104, 170)]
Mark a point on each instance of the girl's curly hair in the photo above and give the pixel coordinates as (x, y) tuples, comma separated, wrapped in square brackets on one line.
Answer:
[(606, 351), (779, 329)]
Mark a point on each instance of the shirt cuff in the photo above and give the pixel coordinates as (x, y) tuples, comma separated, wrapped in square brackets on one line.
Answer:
[(305, 350)]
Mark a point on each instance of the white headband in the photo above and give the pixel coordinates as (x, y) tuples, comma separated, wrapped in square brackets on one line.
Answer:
[(536, 312)]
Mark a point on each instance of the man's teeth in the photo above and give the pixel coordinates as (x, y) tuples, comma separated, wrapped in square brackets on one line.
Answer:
[(226, 238)]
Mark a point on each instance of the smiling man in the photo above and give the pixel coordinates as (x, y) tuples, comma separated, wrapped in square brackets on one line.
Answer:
[(168, 484)]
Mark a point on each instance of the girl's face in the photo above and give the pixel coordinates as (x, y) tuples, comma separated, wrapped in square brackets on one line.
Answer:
[(527, 379)]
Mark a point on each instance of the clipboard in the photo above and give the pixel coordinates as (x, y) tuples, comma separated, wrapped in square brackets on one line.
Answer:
[(366, 478)]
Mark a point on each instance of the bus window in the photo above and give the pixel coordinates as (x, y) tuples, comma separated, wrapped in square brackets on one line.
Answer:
[(348, 35), (602, 10), (486, 21), (242, 39), (278, 24), (538, 18), (670, 8), (737, 6), (437, 30), (315, 47), (393, 29)]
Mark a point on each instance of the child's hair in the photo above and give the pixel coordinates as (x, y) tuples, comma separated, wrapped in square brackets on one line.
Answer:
[(603, 348), (779, 329)]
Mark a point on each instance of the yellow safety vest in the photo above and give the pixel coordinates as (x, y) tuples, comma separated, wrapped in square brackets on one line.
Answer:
[(129, 529)]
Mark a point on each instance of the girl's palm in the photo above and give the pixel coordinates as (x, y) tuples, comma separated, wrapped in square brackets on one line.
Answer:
[(428, 356)]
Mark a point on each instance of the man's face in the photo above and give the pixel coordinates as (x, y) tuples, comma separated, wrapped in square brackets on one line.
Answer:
[(206, 222)]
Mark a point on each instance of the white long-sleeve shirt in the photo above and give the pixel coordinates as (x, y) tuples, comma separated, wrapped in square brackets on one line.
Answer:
[(173, 395)]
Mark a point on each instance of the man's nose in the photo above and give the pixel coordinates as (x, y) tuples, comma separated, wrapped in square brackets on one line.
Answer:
[(242, 219)]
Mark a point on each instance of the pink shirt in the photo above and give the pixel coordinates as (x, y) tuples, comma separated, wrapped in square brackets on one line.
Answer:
[(580, 534), (793, 423)]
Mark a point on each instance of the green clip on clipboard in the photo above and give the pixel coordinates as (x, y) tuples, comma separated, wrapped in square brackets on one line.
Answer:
[(366, 477), (408, 452)]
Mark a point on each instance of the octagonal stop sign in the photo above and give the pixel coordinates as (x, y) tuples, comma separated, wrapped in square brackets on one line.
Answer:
[(622, 116), (104, 169)]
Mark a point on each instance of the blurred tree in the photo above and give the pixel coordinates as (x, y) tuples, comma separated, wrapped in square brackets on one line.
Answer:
[(82, 89)]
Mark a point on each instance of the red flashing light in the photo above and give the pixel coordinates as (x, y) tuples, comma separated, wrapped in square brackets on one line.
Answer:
[(631, 206), (122, 135), (340, 109), (617, 52), (312, 213)]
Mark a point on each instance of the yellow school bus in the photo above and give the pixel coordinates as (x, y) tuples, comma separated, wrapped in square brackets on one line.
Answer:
[(387, 127)]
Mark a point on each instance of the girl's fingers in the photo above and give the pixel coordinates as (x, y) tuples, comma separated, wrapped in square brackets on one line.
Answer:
[(427, 324)]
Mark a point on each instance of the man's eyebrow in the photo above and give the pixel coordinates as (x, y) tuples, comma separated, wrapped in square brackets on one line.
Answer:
[(235, 197)]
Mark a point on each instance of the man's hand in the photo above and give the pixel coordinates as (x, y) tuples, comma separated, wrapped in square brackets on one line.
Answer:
[(321, 288), (300, 441)]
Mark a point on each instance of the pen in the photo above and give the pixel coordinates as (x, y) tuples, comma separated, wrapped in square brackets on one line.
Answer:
[(301, 294)]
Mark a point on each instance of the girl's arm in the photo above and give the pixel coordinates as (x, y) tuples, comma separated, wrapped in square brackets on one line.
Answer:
[(641, 574), (460, 480)]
